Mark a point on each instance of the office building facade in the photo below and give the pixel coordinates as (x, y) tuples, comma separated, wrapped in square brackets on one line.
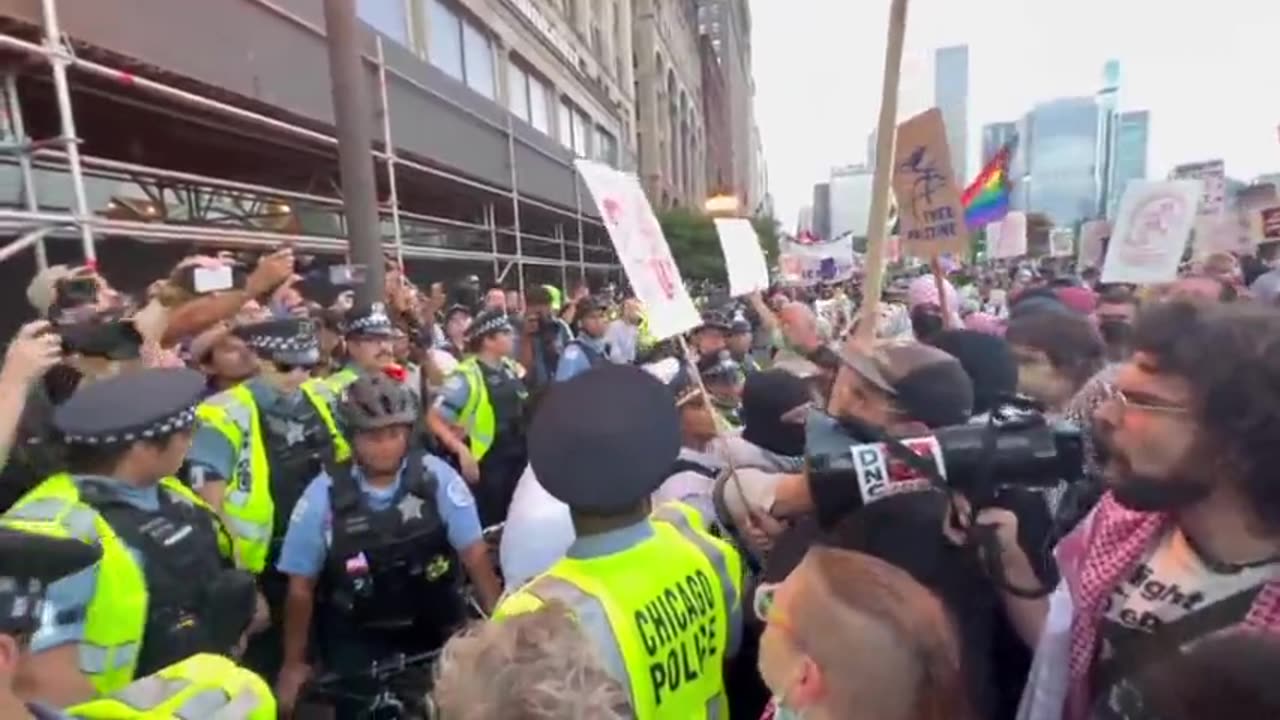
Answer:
[(995, 136), (951, 95), (727, 23), (821, 210), (1061, 159), (1129, 159), (850, 200), (715, 111)]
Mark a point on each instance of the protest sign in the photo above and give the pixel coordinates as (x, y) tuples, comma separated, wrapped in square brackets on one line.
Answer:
[(1062, 242), (1092, 235), (642, 249), (1152, 228), (1008, 238), (743, 258), (1265, 224), (1212, 176), (930, 214), (814, 263)]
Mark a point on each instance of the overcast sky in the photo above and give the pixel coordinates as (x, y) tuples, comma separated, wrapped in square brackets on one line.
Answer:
[(1206, 69)]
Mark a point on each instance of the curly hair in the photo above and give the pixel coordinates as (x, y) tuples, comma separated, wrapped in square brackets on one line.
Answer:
[(1229, 355), (533, 666)]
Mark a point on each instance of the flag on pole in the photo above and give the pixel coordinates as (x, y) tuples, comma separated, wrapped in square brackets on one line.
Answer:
[(986, 200)]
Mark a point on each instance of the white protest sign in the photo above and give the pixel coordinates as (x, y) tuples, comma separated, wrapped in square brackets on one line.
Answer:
[(743, 258), (1212, 176), (808, 264), (1008, 238), (1092, 233), (1151, 231), (642, 249), (1062, 242)]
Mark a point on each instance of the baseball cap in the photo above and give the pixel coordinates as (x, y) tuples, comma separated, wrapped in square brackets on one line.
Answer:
[(926, 383)]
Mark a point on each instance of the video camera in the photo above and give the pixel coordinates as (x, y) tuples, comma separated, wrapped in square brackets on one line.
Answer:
[(1016, 446)]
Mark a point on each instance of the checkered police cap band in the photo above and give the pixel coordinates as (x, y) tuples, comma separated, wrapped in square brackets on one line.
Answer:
[(487, 325), (376, 320), (156, 430), (21, 601)]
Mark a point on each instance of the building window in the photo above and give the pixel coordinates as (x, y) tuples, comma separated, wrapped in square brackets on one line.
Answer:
[(606, 147), (528, 96), (445, 50), (460, 48), (566, 124), (581, 134), (389, 17)]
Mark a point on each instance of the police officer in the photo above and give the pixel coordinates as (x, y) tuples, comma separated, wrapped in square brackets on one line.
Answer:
[(256, 447), (739, 343), (709, 337), (140, 609), (369, 335), (589, 349), (379, 542), (722, 376), (659, 596), (485, 397)]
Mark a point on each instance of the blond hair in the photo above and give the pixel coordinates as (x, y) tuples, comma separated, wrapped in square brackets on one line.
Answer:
[(532, 666)]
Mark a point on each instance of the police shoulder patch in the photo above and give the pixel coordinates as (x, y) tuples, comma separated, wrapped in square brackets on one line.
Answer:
[(458, 492)]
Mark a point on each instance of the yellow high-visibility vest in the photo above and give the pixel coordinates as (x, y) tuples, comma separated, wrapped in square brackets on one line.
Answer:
[(202, 686)]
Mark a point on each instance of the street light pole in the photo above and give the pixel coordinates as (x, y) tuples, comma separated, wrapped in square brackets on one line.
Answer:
[(354, 119)]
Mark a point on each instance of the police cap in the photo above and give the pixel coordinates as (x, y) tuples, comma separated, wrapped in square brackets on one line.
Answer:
[(605, 440), (488, 322), (28, 563), (137, 405), (290, 341), (369, 320)]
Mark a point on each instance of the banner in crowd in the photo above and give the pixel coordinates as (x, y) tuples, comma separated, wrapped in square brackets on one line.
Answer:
[(1152, 227), (743, 257), (811, 264), (642, 248), (1008, 238), (1266, 222), (930, 214), (1062, 242), (1090, 247), (1212, 175)]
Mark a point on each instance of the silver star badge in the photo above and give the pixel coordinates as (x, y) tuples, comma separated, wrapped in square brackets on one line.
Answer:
[(294, 433), (410, 508)]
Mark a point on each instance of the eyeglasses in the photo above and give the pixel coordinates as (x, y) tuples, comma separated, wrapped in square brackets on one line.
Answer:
[(287, 368), (1127, 403)]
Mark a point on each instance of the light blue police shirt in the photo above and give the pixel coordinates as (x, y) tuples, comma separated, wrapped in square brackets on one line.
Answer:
[(306, 542), (67, 599), (575, 361), (212, 456)]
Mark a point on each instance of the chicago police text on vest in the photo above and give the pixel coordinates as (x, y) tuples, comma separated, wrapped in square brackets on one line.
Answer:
[(678, 628)]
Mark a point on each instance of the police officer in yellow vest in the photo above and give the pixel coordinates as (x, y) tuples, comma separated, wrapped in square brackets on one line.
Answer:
[(660, 597), (484, 401), (256, 446), (368, 332), (200, 686), (165, 588)]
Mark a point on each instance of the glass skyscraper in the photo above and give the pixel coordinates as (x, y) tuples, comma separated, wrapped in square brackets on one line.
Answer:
[(994, 137), (1061, 159), (951, 95), (1130, 160)]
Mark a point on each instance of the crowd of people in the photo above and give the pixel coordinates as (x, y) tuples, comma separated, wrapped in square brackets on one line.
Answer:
[(270, 499)]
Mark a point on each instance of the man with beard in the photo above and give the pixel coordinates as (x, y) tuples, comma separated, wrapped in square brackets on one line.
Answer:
[(1115, 313), (1186, 542)]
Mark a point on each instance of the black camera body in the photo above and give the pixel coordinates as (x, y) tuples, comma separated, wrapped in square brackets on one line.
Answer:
[(1018, 445)]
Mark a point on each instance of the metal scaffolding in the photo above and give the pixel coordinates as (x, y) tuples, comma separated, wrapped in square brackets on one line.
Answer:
[(32, 224)]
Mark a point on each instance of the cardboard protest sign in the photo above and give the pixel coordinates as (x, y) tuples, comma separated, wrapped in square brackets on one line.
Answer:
[(1152, 228), (743, 258), (642, 248), (1008, 238), (1062, 242), (1090, 247), (930, 214)]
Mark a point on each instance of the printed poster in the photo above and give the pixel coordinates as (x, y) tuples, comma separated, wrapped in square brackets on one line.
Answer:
[(1062, 242), (743, 257), (1152, 228), (1212, 175), (1266, 224), (642, 248), (931, 217)]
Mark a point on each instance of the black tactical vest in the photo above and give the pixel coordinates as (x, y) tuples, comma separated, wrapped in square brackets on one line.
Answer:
[(507, 395), (294, 461), (181, 562), (392, 572)]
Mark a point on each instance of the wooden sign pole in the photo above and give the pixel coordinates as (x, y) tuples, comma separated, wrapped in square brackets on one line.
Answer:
[(877, 227)]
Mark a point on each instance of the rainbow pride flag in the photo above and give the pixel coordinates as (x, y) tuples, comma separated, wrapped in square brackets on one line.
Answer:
[(986, 200)]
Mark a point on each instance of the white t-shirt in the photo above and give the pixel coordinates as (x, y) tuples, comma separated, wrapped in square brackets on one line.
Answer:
[(1171, 586), (537, 532)]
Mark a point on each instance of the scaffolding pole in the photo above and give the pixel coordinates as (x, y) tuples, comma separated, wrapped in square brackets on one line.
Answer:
[(491, 220), (391, 154), (564, 271), (515, 201), (58, 54), (582, 253), (18, 129)]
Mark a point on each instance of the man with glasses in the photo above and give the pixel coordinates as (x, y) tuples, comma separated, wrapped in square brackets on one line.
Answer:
[(369, 335), (1185, 544), (256, 446)]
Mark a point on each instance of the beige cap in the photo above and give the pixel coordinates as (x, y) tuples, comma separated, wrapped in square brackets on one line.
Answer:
[(43, 290)]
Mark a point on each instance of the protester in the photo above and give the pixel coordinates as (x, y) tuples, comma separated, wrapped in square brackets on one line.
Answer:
[(1056, 354)]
